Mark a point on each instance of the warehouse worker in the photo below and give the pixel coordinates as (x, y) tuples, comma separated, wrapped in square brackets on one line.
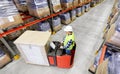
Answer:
[(69, 40)]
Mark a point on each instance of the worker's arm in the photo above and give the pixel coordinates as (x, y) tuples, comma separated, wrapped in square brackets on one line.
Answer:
[(68, 44)]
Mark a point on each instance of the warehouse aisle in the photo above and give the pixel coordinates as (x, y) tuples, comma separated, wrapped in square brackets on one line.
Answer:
[(88, 31)]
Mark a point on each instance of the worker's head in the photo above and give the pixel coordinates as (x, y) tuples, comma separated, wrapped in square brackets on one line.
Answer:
[(68, 29)]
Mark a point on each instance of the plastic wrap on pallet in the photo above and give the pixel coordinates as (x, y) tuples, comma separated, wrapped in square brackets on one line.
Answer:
[(44, 26), (57, 23), (83, 9), (79, 11), (65, 18), (114, 64), (38, 8), (66, 4), (87, 7), (9, 14), (73, 14), (56, 5), (21, 5)]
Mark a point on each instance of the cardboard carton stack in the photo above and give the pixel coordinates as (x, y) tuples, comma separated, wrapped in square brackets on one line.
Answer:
[(66, 3), (38, 8), (21, 5), (9, 14)]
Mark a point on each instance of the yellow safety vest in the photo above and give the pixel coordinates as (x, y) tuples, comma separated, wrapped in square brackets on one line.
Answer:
[(68, 38)]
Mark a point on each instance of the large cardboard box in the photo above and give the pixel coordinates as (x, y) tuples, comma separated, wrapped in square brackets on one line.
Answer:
[(10, 20), (66, 4), (4, 60), (38, 8), (56, 5), (21, 5), (75, 2), (33, 46)]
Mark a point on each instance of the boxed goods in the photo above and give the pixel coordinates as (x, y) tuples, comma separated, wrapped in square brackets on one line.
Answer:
[(56, 5), (38, 8), (9, 14), (66, 4), (79, 11), (57, 23), (21, 5), (87, 7), (44, 26), (80, 1), (65, 18), (4, 58), (75, 2), (83, 9), (73, 14), (34, 49)]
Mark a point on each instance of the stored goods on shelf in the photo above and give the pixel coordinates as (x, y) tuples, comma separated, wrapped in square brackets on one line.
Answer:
[(9, 14), (57, 23), (65, 18), (33, 46), (38, 8), (4, 58), (87, 7), (21, 5), (66, 4), (44, 26), (73, 14), (75, 2), (81, 1), (79, 11), (56, 5), (83, 9)]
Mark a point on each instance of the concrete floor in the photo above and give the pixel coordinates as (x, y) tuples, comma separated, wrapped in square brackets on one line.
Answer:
[(88, 31)]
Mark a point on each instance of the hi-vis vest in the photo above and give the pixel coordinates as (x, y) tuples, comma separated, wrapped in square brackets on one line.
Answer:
[(68, 38)]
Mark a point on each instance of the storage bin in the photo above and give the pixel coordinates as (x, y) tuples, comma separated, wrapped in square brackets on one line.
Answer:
[(79, 11), (38, 8), (33, 46), (9, 15), (65, 18)]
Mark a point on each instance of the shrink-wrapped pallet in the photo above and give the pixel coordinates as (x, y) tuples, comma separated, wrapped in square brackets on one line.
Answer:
[(9, 15), (21, 5), (87, 7), (57, 23), (73, 15), (44, 26), (65, 18), (38, 8), (56, 5), (79, 11), (66, 4)]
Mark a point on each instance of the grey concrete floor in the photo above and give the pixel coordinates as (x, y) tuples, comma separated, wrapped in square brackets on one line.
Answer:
[(88, 32)]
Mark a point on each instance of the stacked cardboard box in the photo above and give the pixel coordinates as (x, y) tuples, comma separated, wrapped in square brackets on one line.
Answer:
[(66, 3), (75, 2), (79, 11), (56, 5), (38, 8), (9, 14), (73, 15), (65, 18), (81, 1), (57, 23), (34, 49), (21, 5)]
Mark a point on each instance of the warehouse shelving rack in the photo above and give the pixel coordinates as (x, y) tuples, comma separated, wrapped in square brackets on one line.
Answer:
[(3, 34)]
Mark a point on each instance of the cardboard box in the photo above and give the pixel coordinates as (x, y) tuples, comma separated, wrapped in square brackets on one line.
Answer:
[(65, 18), (4, 60), (39, 9), (10, 21), (66, 5), (34, 49), (56, 5), (75, 3), (79, 11)]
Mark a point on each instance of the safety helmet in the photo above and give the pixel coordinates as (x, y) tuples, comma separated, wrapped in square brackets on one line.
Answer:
[(68, 28)]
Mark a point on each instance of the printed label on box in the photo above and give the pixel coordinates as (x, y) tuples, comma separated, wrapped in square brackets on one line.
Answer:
[(11, 19), (55, 2)]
